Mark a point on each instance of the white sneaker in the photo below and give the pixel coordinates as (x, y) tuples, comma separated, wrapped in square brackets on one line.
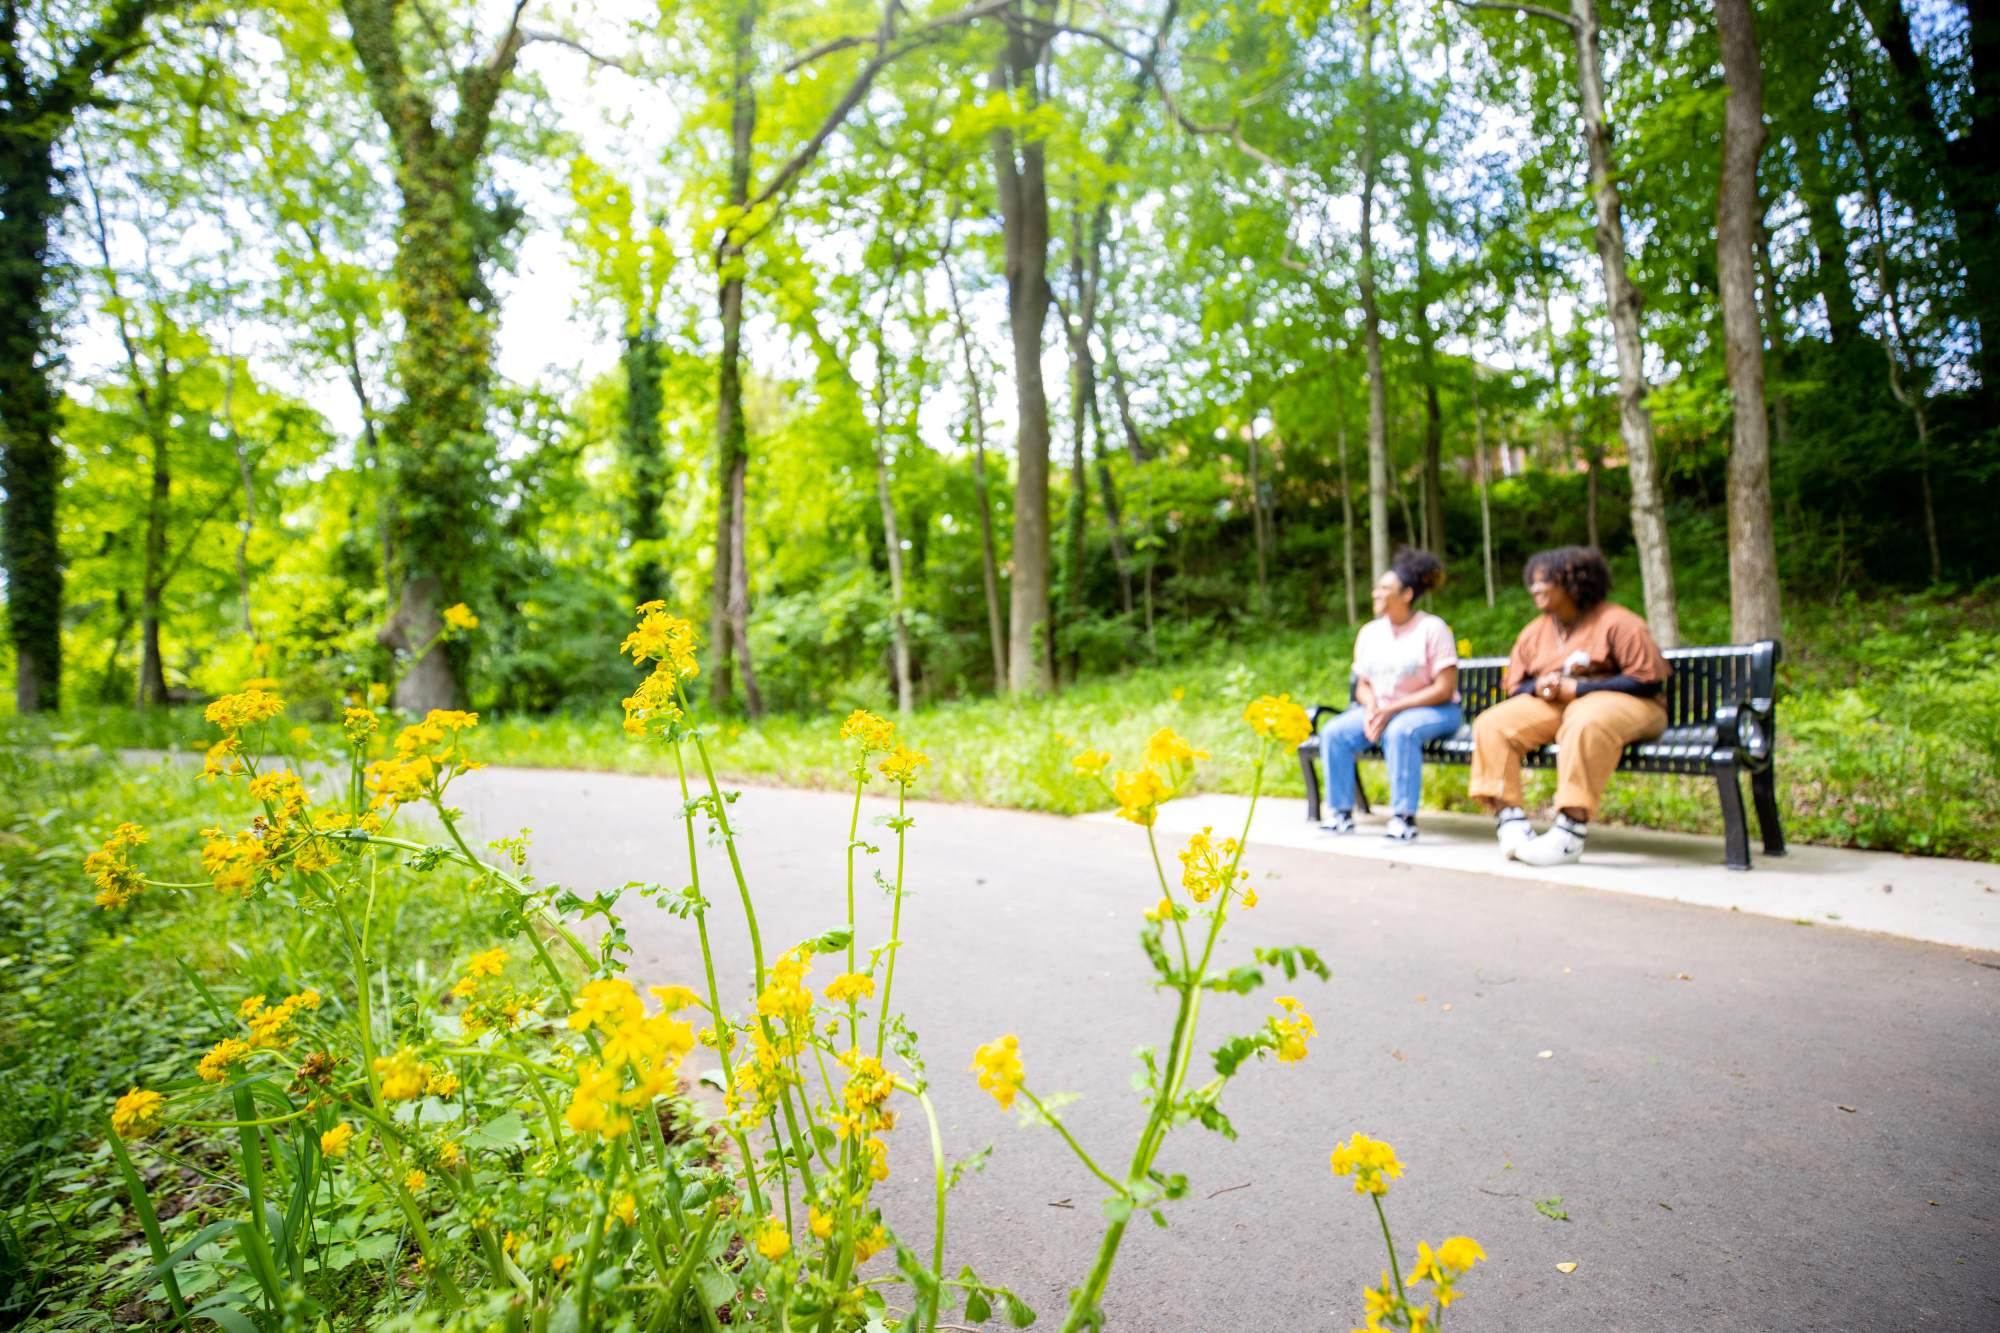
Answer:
[(1512, 828), (1338, 821), (1562, 845), (1400, 829)]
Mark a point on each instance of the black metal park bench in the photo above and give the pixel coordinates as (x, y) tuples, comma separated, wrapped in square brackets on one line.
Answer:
[(1721, 723)]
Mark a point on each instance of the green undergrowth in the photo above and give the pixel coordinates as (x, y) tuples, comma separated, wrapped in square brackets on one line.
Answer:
[(1889, 726), (97, 1002)]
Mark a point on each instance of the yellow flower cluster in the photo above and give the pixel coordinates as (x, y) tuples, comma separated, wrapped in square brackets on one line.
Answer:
[(874, 733), (662, 638), (429, 754), (110, 867), (1371, 1162), (1090, 763), (460, 618), (1292, 1032), (233, 713), (270, 1027), (868, 1087), (849, 987), (1140, 795), (235, 862), (404, 1077), (902, 764), (333, 1143), (360, 724), (1443, 1266), (999, 1067), (1207, 866), (1277, 717), (647, 1049), (772, 1239), (137, 1113), (653, 707), (1167, 748), (786, 995), (214, 1066)]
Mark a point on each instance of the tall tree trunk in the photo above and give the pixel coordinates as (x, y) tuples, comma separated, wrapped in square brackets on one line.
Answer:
[(1479, 476), (1114, 522), (1433, 471), (1019, 170), (30, 461), (730, 447), (1635, 422), (1753, 551), (245, 473), (645, 464), (1346, 516), (1082, 389), (1593, 455), (1135, 444), (989, 565), (1257, 520), (1371, 320), (152, 668), (892, 538)]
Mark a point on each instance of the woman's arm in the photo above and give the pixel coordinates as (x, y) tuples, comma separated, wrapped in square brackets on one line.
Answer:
[(1439, 691)]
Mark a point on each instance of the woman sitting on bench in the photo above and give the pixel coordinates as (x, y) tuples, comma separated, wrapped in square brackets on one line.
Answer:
[(1405, 694), (1586, 674)]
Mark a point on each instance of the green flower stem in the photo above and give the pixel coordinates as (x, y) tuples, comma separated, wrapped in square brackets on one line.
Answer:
[(853, 829), (724, 1037), (535, 1074), (937, 1229), (597, 1226), (729, 844), (426, 1245), (1153, 845), (240, 1124), (149, 1221), (1389, 1243), (1123, 1191), (895, 922)]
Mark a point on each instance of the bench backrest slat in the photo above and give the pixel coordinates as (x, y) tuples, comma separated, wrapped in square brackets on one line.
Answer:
[(1705, 680)]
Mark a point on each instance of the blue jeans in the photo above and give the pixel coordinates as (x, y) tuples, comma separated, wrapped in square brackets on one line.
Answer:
[(1402, 745)]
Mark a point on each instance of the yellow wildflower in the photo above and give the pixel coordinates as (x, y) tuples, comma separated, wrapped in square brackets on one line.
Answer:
[(1161, 911), (1292, 1031), (233, 712), (442, 1085), (878, 1159), (1168, 747), (250, 1007), (214, 1066), (606, 1003), (1000, 1071), (773, 1241), (487, 963), (1279, 718), (334, 1142), (560, 1264), (110, 867), (654, 705), (593, 1107), (403, 1076), (873, 732), (662, 638), (137, 1113), (1465, 647), (1178, 693), (1371, 1162), (870, 1243), (460, 617), (1139, 795), (222, 759), (901, 766), (849, 986), (359, 724), (818, 1223), (626, 1209), (449, 1152), (1090, 763), (785, 995), (1444, 1266), (415, 1182), (674, 998), (235, 863), (1207, 865)]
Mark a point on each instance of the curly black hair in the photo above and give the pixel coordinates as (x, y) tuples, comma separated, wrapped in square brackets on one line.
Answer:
[(1419, 571), (1579, 571)]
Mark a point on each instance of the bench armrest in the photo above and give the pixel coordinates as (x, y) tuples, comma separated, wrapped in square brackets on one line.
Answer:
[(1746, 730)]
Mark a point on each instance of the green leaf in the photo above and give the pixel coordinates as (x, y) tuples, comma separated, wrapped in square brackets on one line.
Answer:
[(1552, 1209)]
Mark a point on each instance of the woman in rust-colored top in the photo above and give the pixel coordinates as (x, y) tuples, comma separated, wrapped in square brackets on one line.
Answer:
[(1586, 674)]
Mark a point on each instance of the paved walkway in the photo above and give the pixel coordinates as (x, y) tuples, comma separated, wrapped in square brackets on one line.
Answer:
[(1915, 897), (1752, 1126)]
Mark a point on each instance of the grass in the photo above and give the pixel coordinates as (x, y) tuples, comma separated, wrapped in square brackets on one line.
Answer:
[(1889, 722)]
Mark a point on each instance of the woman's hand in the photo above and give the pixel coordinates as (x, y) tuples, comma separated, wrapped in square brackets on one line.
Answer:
[(1377, 723), (1554, 687)]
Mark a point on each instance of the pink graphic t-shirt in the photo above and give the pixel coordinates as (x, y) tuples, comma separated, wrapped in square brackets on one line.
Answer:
[(1401, 660)]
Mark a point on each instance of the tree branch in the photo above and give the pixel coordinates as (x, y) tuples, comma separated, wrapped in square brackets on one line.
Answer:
[(558, 39), (479, 88), (1512, 6), (120, 34)]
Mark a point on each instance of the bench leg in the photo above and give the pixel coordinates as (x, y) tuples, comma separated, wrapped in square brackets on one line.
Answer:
[(1360, 792), (1735, 828), (1764, 791), (1312, 784)]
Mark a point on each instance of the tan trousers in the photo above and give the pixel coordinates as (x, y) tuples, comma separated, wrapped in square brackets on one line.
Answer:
[(1591, 731)]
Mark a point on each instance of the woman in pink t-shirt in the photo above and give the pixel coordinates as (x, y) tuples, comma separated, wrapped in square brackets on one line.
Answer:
[(1405, 695)]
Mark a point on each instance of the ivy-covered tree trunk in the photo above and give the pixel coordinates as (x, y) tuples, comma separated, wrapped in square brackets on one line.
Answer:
[(34, 113), (1635, 422), (1024, 209), (645, 464), (437, 434), (1421, 215), (1753, 551), (30, 462), (152, 665)]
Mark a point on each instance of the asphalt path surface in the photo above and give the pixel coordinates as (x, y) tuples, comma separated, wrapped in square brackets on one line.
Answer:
[(1750, 1124)]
